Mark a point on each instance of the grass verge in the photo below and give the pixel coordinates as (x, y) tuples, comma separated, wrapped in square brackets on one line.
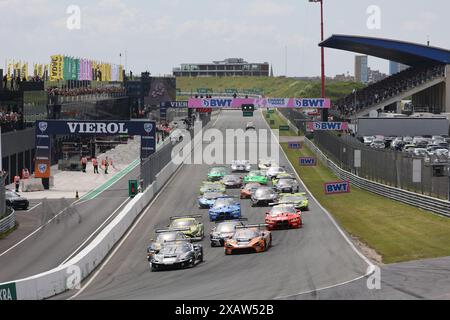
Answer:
[(396, 231), (278, 121)]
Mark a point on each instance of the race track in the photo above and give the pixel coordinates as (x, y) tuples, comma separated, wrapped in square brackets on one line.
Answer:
[(304, 260)]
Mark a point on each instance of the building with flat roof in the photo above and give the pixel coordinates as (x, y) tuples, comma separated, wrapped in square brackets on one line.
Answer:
[(361, 69), (231, 67)]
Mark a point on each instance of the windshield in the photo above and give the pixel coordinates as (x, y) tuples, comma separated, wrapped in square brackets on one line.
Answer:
[(176, 248), (217, 170), (286, 182), (246, 234), (282, 209), (169, 236), (226, 227), (263, 192), (252, 186), (212, 195), (224, 202), (293, 198), (255, 173), (183, 223)]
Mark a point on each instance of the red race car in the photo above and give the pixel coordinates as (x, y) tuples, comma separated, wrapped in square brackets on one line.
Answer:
[(284, 216)]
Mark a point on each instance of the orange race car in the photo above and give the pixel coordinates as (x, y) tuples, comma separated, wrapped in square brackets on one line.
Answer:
[(248, 189), (249, 239)]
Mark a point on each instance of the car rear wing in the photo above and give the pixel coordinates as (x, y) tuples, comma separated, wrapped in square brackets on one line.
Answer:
[(171, 230), (196, 216), (260, 226)]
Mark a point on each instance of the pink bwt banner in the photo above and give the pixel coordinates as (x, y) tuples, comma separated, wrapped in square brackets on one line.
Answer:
[(307, 162), (327, 126), (337, 187), (297, 103)]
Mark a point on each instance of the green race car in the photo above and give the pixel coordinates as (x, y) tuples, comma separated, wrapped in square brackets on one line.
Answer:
[(209, 186), (189, 226), (256, 176), (217, 173), (299, 200)]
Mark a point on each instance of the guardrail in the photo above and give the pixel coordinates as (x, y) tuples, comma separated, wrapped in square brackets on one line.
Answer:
[(438, 206), (8, 222), (291, 125)]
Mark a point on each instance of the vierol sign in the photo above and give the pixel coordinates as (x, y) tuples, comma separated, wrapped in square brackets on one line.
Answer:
[(327, 126), (47, 128), (337, 187)]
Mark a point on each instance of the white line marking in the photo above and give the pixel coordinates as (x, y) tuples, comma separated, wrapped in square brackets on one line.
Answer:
[(31, 209), (125, 237), (93, 233)]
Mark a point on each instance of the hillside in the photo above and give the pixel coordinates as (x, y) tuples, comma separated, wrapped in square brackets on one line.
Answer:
[(273, 87)]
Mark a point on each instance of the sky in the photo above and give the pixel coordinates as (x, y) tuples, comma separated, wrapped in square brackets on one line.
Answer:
[(158, 35)]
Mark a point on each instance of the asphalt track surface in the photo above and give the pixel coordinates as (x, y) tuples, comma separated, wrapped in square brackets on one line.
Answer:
[(314, 257), (59, 239)]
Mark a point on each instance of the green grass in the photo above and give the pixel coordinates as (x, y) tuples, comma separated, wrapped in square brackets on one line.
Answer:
[(273, 87), (396, 231), (278, 121), (3, 235)]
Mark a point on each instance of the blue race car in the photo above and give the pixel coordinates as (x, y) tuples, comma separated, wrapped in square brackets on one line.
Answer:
[(208, 199), (225, 208)]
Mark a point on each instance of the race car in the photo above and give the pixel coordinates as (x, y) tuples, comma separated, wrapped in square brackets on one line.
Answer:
[(207, 200), (163, 237), (283, 175), (257, 176), (232, 181), (191, 226), (249, 239), (299, 200), (287, 185), (250, 126), (264, 196), (224, 230), (265, 164), (241, 166), (248, 189), (178, 254), (217, 173), (272, 172), (225, 208), (209, 186), (284, 216)]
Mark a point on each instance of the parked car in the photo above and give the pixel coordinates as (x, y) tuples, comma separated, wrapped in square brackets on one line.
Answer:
[(419, 152), (378, 144), (368, 140), (16, 201)]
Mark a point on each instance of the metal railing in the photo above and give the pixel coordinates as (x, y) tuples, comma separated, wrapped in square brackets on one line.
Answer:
[(435, 205), (8, 222)]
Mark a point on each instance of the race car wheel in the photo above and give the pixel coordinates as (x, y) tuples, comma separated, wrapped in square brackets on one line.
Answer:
[(192, 263), (153, 268), (201, 255)]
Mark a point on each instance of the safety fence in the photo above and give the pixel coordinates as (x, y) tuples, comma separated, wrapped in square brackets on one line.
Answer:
[(8, 222), (417, 200), (385, 166)]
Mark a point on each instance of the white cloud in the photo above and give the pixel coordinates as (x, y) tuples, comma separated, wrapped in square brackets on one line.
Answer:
[(268, 8)]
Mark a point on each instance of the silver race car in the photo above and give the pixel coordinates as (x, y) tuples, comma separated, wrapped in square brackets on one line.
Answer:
[(224, 230), (241, 166), (163, 237), (177, 254)]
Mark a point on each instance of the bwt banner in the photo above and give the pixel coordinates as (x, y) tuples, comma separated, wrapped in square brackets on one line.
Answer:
[(307, 162), (337, 187), (327, 126), (299, 103)]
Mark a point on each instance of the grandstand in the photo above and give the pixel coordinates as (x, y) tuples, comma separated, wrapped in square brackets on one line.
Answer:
[(427, 80)]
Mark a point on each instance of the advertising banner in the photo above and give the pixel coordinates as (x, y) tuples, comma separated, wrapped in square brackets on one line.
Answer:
[(337, 187), (8, 291), (174, 104), (42, 169), (307, 162), (297, 103), (327, 126), (56, 68)]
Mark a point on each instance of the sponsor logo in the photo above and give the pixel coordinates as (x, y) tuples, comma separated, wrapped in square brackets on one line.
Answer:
[(307, 162), (148, 127), (42, 168), (276, 102), (328, 126), (43, 126), (337, 187), (295, 145), (97, 127)]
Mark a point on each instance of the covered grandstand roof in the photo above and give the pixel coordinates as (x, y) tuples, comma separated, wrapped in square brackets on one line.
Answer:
[(408, 53)]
